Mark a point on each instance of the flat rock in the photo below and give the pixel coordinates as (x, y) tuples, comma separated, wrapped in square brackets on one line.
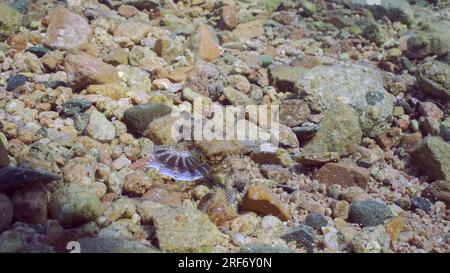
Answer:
[(184, 229), (260, 200), (138, 117), (432, 156), (369, 213), (343, 174), (293, 112), (83, 70), (339, 132), (357, 85)]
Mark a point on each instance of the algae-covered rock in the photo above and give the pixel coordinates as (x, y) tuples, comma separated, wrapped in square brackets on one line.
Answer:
[(432, 156), (396, 10), (74, 205), (431, 38), (339, 132), (434, 78), (360, 86), (181, 229), (10, 21)]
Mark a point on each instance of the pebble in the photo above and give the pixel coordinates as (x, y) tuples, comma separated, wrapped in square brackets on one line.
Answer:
[(73, 205), (369, 213), (316, 221), (418, 202), (137, 118), (303, 235), (100, 128), (72, 107), (261, 200), (16, 81), (342, 174)]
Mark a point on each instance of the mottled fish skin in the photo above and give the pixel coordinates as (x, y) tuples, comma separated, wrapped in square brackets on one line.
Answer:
[(179, 165)]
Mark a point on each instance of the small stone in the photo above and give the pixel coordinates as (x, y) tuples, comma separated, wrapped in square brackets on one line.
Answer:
[(283, 77), (66, 29), (316, 221), (228, 17), (132, 29), (17, 42), (432, 156), (184, 229), (390, 138), (341, 209), (136, 183), (418, 202), (121, 162), (343, 174), (6, 212), (16, 81), (137, 118), (438, 191), (83, 70), (72, 107), (261, 200), (293, 112), (127, 10), (100, 128), (369, 213), (398, 111), (371, 240), (303, 235), (160, 130), (430, 110), (434, 78), (74, 204), (394, 227), (205, 44), (39, 51)]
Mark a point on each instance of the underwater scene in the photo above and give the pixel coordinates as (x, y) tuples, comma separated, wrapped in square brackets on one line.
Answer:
[(224, 126)]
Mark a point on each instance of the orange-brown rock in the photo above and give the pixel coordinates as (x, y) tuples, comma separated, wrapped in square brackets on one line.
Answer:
[(66, 29), (342, 174), (83, 70), (390, 138), (205, 44), (260, 200), (228, 18)]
